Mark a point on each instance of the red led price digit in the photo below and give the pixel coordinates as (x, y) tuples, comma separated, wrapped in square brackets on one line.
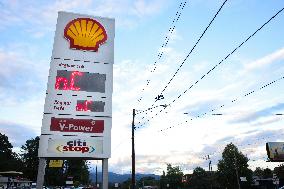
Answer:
[(83, 106), (63, 81)]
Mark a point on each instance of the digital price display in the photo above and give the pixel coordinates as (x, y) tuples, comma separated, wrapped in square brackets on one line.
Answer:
[(80, 81), (92, 106)]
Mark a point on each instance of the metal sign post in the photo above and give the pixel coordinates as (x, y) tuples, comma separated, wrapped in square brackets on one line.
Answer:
[(105, 173), (41, 173)]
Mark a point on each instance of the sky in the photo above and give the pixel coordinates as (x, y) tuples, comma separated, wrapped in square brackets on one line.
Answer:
[(231, 103)]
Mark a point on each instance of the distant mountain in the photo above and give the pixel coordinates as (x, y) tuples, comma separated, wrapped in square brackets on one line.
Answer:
[(119, 178)]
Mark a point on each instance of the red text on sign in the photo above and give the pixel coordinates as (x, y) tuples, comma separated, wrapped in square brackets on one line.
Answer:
[(62, 81), (83, 106)]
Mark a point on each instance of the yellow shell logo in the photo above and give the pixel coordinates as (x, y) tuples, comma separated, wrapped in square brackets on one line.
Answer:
[(85, 34)]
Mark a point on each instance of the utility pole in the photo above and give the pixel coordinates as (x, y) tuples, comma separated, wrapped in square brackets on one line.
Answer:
[(210, 170), (96, 176), (237, 174), (133, 153)]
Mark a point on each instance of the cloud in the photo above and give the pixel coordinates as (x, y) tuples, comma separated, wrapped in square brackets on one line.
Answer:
[(250, 117), (18, 134), (201, 106), (267, 121), (251, 144), (36, 17), (19, 76), (260, 137), (39, 19), (143, 8), (266, 60)]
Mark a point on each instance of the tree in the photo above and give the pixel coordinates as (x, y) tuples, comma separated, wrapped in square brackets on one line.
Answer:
[(30, 158), (258, 172), (279, 171), (267, 173), (147, 181), (54, 176), (163, 180), (199, 179), (126, 184), (231, 167), (9, 160), (174, 176), (78, 169)]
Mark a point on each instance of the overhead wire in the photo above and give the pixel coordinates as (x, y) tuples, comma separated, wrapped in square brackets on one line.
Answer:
[(222, 114), (223, 105), (211, 70), (200, 37), (166, 41), (148, 109), (192, 49), (255, 141)]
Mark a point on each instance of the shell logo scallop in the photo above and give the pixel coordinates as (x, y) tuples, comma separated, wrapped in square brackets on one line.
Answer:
[(85, 34)]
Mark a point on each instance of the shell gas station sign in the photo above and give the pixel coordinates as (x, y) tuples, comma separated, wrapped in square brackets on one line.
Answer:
[(77, 117)]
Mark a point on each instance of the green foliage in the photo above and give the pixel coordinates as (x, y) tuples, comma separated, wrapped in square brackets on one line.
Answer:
[(263, 173), (126, 184), (30, 158), (147, 181), (199, 179), (267, 173), (279, 171), (163, 180), (173, 177), (76, 184), (54, 176), (9, 160), (78, 169), (231, 161), (258, 172)]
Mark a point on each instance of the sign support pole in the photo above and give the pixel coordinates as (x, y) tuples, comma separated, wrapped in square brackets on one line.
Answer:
[(40, 173), (105, 173)]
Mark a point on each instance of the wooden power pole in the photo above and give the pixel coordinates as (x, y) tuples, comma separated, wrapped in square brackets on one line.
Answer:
[(133, 153)]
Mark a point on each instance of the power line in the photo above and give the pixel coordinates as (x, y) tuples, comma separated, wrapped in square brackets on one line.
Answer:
[(222, 114), (210, 71), (193, 48), (159, 97), (148, 109), (256, 140), (232, 101), (166, 41)]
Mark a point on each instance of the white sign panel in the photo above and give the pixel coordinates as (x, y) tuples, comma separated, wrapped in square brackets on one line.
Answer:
[(85, 147), (79, 90)]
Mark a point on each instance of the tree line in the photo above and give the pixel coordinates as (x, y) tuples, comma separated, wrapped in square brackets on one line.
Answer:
[(27, 162), (232, 172)]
